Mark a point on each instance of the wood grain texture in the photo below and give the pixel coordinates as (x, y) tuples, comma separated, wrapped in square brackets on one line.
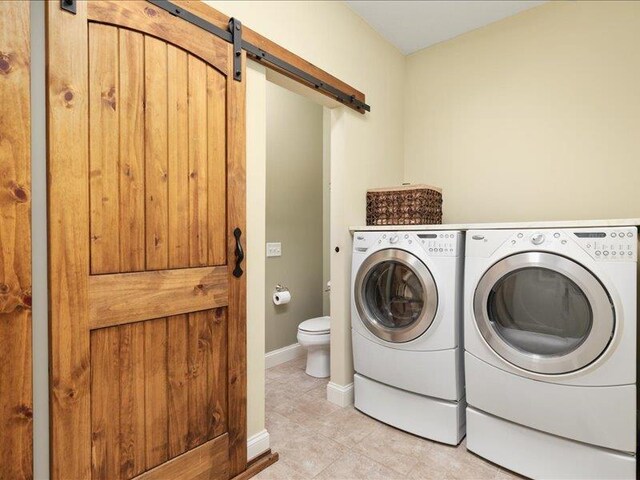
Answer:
[(16, 455), (68, 209), (217, 373), (146, 18), (199, 352), (216, 151), (131, 138), (179, 383), (131, 381), (237, 311), (130, 297), (155, 367), (178, 144), (105, 403), (209, 461), (104, 129), (219, 19), (198, 223), (156, 154)]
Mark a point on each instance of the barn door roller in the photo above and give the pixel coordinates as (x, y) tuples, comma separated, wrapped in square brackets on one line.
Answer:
[(233, 35)]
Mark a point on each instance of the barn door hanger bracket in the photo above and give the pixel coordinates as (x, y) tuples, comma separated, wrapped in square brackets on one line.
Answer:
[(68, 5), (235, 27), (233, 34)]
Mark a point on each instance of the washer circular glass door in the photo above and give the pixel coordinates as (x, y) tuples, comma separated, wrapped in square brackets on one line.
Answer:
[(395, 295), (544, 313)]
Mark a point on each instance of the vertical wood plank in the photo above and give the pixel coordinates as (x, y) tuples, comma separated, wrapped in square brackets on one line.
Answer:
[(104, 148), (132, 400), (131, 111), (68, 209), (217, 150), (237, 312), (105, 404), (197, 162), (179, 379), (156, 164), (217, 372), (16, 456), (199, 345), (178, 144), (155, 364)]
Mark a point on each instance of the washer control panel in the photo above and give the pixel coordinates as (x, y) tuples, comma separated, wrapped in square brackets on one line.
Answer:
[(441, 244), (437, 244)]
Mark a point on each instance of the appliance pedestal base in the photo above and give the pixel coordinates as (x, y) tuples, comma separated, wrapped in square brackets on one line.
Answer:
[(540, 455), (427, 417)]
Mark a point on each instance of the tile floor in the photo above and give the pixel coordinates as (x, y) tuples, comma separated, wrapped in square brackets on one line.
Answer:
[(317, 439)]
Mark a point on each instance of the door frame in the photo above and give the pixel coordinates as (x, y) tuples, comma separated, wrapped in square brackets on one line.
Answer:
[(68, 237)]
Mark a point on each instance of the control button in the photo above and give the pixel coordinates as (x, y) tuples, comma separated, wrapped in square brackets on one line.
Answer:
[(431, 249), (564, 242), (588, 245), (384, 236), (520, 235), (556, 235), (394, 239), (513, 242), (606, 252), (440, 249), (613, 253), (406, 235), (629, 252), (598, 252), (537, 238), (409, 241), (613, 234), (629, 234)]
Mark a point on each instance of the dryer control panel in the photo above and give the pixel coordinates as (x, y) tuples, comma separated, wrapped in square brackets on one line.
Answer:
[(609, 244)]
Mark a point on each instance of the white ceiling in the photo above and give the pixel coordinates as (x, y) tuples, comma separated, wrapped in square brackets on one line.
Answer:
[(413, 25)]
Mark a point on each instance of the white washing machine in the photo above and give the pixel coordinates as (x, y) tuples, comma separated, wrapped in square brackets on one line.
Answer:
[(406, 325), (550, 350)]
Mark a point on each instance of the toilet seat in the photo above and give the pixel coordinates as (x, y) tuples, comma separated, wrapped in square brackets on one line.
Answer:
[(315, 326)]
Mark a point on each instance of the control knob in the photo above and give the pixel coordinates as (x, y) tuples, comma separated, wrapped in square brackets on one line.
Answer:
[(394, 239), (537, 238)]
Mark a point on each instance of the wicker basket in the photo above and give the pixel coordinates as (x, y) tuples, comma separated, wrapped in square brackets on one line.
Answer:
[(406, 205)]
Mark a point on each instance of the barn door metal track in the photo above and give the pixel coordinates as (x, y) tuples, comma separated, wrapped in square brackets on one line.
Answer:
[(233, 35)]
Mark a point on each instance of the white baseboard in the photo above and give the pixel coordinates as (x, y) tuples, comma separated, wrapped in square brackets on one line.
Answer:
[(257, 444), (282, 355), (341, 395)]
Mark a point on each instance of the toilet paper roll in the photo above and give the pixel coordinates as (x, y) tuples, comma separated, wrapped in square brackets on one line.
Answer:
[(281, 298)]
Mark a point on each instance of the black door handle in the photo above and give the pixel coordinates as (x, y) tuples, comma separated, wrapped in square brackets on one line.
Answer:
[(237, 272)]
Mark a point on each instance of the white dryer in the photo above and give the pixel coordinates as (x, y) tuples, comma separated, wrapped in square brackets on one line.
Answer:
[(550, 350), (406, 321)]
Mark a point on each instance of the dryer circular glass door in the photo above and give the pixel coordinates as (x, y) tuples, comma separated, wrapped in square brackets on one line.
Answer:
[(544, 313), (395, 295)]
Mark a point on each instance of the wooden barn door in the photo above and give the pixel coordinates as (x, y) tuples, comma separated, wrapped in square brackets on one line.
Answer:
[(146, 188)]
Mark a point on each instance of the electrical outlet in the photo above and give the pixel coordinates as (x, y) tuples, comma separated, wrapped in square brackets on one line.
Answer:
[(274, 249)]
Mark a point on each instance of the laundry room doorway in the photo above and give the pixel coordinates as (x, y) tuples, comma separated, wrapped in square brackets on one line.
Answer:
[(296, 219)]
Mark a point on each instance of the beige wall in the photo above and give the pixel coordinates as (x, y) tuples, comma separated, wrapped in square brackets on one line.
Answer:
[(535, 117), (255, 263), (294, 212), (366, 151)]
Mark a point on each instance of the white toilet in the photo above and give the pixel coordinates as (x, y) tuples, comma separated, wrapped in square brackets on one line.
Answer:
[(314, 335)]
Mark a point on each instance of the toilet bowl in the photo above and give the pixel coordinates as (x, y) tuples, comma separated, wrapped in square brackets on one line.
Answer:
[(314, 335)]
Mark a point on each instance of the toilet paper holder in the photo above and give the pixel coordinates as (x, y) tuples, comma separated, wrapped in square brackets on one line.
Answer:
[(280, 288)]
